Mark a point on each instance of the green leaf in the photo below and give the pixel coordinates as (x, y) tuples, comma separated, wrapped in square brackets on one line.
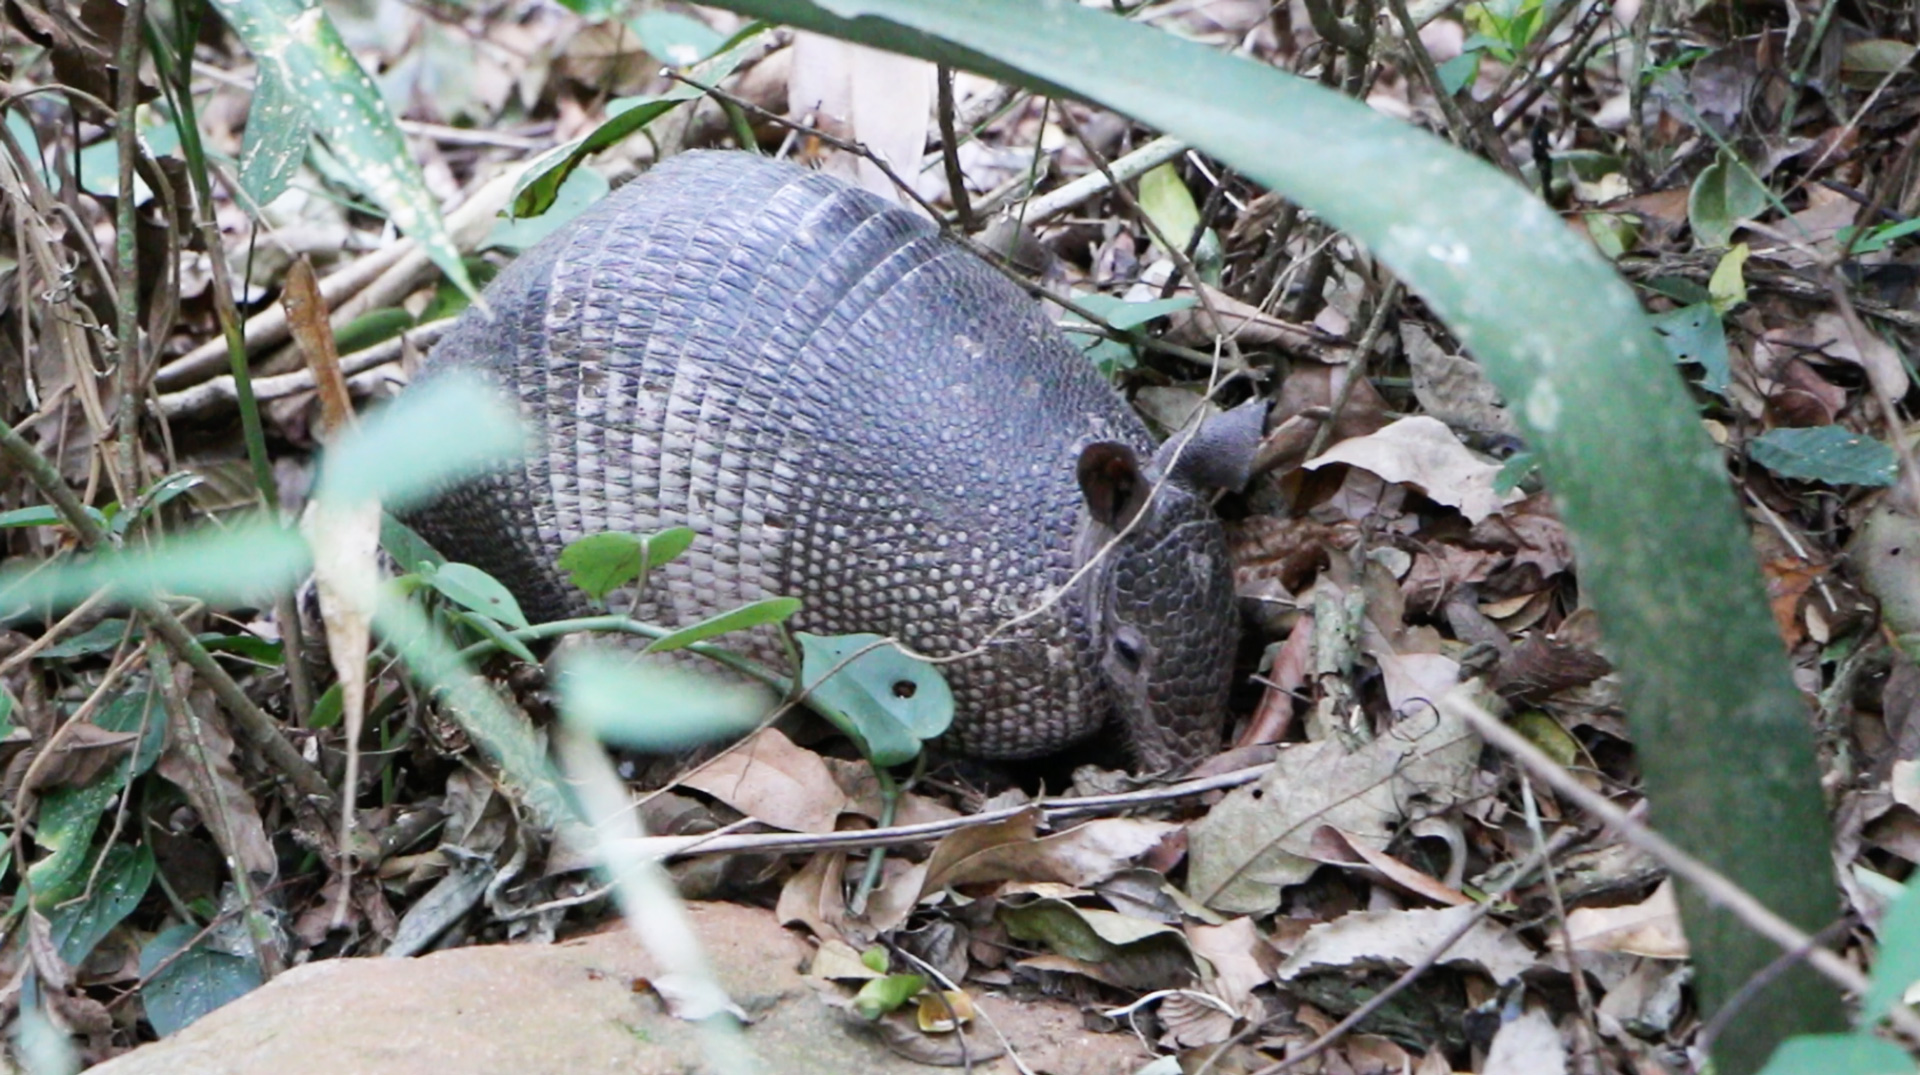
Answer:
[(753, 614), (38, 515), (470, 587), (409, 550), (118, 888), (1727, 287), (1165, 199), (251, 647), (328, 708), (376, 326), (1694, 335), (1878, 238), (582, 188), (1838, 1054), (492, 630), (1460, 72), (45, 515), (231, 566), (602, 563), (1725, 194), (1898, 965), (881, 995), (183, 986), (654, 705), (541, 182), (592, 10), (413, 448), (102, 637), (69, 815), (295, 44), (675, 39), (876, 959), (1123, 316), (1832, 454), (276, 139), (885, 700)]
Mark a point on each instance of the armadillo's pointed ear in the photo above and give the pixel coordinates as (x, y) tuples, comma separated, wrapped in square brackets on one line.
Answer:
[(1112, 483), (1219, 453)]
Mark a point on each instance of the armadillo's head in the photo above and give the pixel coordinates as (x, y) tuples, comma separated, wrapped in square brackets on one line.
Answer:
[(1160, 596)]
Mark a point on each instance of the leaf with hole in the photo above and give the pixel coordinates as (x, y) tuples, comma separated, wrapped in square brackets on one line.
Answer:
[(1694, 335), (884, 699)]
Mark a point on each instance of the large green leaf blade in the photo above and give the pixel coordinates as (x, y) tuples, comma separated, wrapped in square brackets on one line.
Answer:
[(1663, 552), (299, 48)]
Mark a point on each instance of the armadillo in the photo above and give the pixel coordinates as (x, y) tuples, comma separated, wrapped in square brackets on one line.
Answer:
[(849, 408)]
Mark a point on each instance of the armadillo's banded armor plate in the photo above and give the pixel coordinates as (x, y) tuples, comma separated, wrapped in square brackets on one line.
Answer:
[(844, 406)]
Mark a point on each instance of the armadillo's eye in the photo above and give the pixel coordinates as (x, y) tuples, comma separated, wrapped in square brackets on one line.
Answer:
[(1126, 646)]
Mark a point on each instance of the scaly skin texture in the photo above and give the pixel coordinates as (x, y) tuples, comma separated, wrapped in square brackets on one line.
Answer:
[(851, 410)]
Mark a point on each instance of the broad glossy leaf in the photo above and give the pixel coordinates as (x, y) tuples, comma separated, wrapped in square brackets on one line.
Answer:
[(884, 699)]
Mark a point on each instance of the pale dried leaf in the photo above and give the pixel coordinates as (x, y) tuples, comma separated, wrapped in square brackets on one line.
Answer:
[(1241, 959), (1258, 839), (1648, 928), (1452, 388), (1530, 1045), (1396, 940), (1422, 452)]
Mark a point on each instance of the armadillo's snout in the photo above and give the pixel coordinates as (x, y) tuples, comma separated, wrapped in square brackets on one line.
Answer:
[(1172, 633)]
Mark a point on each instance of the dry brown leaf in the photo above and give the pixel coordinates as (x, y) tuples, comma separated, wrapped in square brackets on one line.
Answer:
[(1256, 840), (1452, 388), (1240, 957), (1334, 847), (1422, 452), (1396, 940), (769, 779), (1012, 851)]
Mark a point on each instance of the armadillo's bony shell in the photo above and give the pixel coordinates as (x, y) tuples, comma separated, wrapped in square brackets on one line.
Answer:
[(849, 409)]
